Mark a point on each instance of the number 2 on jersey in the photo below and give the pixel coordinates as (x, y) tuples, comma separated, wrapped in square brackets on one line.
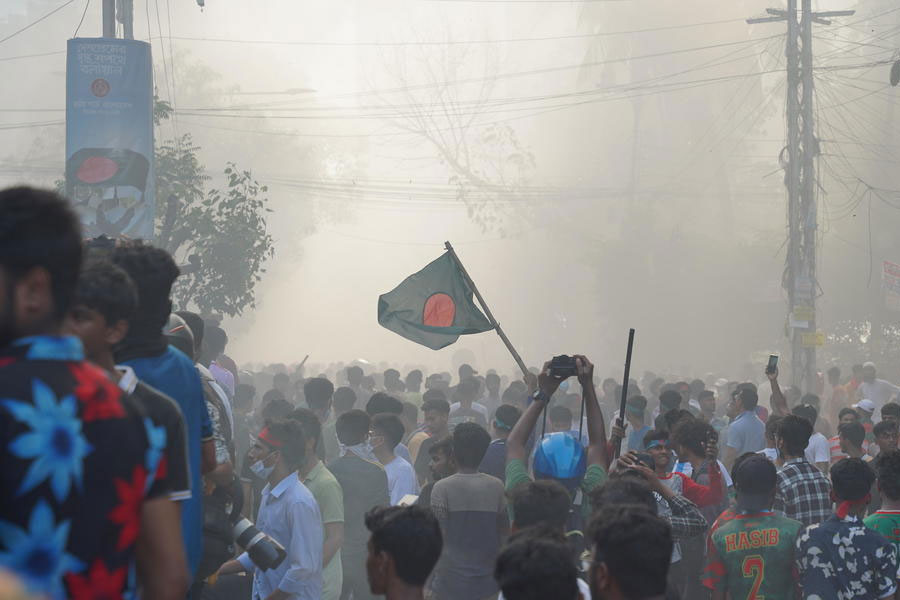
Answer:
[(754, 566)]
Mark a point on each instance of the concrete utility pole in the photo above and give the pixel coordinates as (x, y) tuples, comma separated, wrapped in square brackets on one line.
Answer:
[(800, 179), (121, 10), (109, 18)]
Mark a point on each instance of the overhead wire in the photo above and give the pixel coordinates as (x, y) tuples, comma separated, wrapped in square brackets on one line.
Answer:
[(453, 42), (36, 21)]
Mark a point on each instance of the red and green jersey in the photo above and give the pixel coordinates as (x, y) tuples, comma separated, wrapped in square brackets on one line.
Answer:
[(887, 523), (752, 556)]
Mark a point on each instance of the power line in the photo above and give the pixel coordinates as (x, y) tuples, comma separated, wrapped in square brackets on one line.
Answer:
[(23, 56), (86, 6), (451, 42), (36, 21)]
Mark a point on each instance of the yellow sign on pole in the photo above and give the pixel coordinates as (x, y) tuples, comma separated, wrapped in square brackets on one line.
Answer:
[(804, 313), (812, 339)]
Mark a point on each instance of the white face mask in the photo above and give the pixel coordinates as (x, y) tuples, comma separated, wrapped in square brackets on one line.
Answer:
[(363, 450), (260, 469)]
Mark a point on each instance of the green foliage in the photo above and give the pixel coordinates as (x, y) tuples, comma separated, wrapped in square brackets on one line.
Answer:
[(220, 233)]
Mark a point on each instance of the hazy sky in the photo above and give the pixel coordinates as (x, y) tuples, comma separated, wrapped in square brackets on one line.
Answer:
[(695, 172)]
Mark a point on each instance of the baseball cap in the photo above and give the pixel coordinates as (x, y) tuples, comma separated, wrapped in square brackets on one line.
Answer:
[(866, 405)]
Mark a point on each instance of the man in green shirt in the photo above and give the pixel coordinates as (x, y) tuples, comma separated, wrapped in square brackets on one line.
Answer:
[(330, 498), (751, 549), (594, 474), (886, 520)]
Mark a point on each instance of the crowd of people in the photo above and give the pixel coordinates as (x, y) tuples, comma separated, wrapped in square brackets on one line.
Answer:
[(136, 455)]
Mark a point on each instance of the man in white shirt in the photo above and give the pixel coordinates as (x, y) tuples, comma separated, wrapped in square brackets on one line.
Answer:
[(289, 514), (386, 432), (818, 451), (877, 390)]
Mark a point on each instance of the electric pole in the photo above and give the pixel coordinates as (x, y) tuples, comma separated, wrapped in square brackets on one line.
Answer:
[(121, 10), (800, 179)]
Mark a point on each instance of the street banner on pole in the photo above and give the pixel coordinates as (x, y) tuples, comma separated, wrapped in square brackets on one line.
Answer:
[(109, 136)]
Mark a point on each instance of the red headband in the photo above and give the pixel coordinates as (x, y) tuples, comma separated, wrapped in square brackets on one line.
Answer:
[(844, 507), (266, 437)]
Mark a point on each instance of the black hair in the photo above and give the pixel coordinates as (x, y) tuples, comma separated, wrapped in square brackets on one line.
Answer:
[(625, 487), (443, 445), (411, 412), (436, 402), (772, 426), (312, 427), (887, 467), (491, 377), (692, 434), (281, 377), (355, 372), (754, 473), (318, 392), (654, 435), (506, 416), (391, 426), (670, 398), (847, 411), (559, 414), (636, 546), (153, 271), (352, 427), (195, 324), (39, 229), (836, 371), (854, 432), (344, 399), (892, 409), (107, 289), (383, 403), (851, 479), (534, 567), (883, 427), (705, 394), (470, 442), (244, 394), (544, 502), (414, 376), (411, 535), (795, 432), (806, 411), (293, 443), (676, 416), (275, 407), (216, 340), (748, 397), (468, 387)]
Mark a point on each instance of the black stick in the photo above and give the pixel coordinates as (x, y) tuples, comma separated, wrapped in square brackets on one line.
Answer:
[(621, 420)]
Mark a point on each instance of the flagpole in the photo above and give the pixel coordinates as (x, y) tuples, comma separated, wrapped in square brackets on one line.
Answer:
[(487, 311)]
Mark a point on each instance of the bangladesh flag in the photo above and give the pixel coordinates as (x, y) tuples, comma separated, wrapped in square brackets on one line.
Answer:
[(432, 307)]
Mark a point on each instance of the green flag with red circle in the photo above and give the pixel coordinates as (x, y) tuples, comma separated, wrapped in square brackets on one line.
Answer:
[(433, 307)]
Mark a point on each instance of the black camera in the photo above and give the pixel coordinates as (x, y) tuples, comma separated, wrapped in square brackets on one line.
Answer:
[(265, 552), (562, 367)]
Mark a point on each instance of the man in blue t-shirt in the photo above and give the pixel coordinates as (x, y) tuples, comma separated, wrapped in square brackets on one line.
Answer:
[(157, 364)]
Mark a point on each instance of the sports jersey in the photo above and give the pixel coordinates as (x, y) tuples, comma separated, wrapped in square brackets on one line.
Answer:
[(752, 555), (887, 523)]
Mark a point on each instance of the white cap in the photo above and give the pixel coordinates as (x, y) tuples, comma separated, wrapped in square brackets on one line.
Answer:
[(866, 405), (868, 365)]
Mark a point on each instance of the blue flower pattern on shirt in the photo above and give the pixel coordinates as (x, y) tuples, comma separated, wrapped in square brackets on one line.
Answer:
[(55, 441), (50, 347), (39, 554), (156, 436)]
